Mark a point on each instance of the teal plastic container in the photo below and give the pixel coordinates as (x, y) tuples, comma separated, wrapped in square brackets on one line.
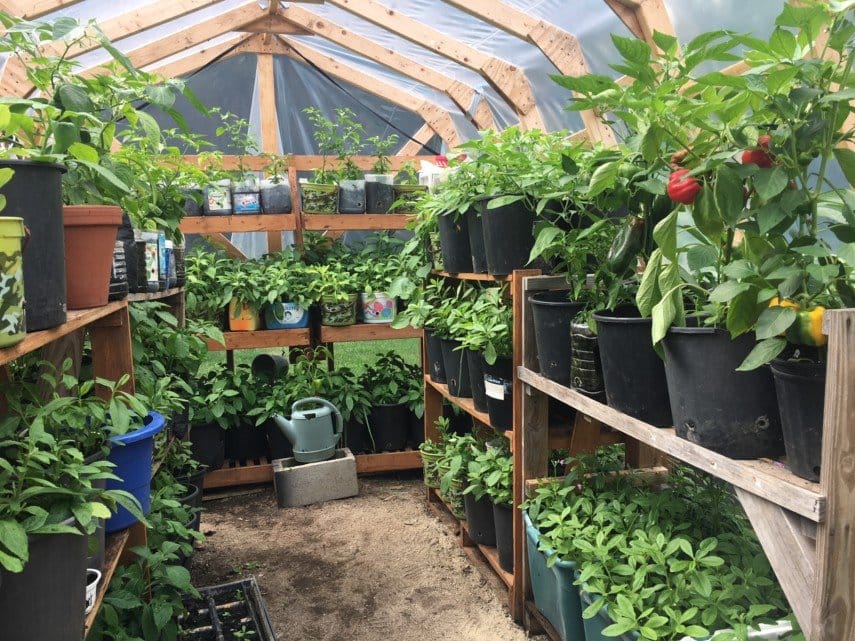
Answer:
[(554, 593), (595, 625)]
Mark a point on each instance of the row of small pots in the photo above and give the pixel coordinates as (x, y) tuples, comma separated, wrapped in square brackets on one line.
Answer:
[(374, 195), (468, 375), (375, 308), (54, 257), (495, 241), (744, 415)]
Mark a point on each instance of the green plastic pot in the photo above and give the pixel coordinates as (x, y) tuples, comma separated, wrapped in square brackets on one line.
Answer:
[(12, 319)]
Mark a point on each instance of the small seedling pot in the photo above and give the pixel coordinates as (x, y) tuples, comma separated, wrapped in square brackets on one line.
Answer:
[(93, 579), (319, 198), (378, 307), (218, 199), (335, 313), (242, 319), (351, 196), (275, 197), (12, 235), (246, 198), (379, 193), (284, 315)]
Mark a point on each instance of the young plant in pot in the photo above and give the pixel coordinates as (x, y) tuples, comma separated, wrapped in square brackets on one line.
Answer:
[(450, 207), (499, 485), (245, 189), (452, 467), (215, 407), (388, 382), (336, 289), (479, 507), (379, 191), (431, 453), (320, 196), (408, 191), (350, 178), (386, 273), (289, 295), (244, 287), (418, 313), (449, 321), (275, 188), (203, 296)]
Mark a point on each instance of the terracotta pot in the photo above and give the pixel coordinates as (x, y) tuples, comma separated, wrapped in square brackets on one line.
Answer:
[(90, 236)]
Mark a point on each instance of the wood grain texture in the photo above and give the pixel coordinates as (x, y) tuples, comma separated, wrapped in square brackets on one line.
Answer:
[(240, 475), (758, 477), (261, 339), (365, 332), (345, 222), (196, 60), (146, 296), (834, 604), (114, 546), (244, 223), (478, 277), (111, 349), (388, 462)]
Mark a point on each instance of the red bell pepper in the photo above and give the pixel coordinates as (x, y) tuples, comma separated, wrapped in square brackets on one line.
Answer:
[(683, 188), (760, 155)]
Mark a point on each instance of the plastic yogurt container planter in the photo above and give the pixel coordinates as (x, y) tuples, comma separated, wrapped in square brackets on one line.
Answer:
[(93, 580)]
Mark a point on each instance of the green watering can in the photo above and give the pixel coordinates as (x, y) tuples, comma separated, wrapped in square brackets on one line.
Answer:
[(314, 432)]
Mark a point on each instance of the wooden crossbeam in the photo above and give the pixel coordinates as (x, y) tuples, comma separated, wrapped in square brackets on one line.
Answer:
[(463, 95), (627, 13), (195, 60), (508, 80), (420, 139), (38, 8)]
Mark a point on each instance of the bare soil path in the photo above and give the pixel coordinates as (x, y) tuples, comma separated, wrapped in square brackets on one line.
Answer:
[(377, 567)]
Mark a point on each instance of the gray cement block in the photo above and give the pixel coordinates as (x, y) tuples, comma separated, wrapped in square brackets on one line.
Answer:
[(306, 483)]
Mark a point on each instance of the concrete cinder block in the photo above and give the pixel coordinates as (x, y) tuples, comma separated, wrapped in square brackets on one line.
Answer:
[(306, 483)]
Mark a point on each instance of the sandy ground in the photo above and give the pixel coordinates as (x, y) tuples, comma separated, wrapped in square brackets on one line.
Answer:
[(380, 566)]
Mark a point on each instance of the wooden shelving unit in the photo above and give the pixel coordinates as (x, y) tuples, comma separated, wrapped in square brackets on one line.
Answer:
[(114, 547), (365, 332), (351, 222), (146, 296), (262, 338), (239, 223), (466, 404)]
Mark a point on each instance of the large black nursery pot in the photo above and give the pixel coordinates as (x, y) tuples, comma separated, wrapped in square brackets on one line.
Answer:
[(34, 193), (460, 422), (436, 366), (390, 425), (503, 516), (46, 600), (732, 413), (475, 362), (499, 385), (479, 519), (456, 369), (208, 445), (800, 386), (379, 193), (416, 435), (454, 244), (633, 373), (357, 438), (553, 314), (475, 227), (246, 443), (508, 237)]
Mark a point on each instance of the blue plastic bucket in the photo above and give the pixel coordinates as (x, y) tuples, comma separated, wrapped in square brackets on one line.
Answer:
[(554, 593), (132, 455), (280, 315)]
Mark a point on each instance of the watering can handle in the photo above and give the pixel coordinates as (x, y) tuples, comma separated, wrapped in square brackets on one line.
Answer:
[(339, 423)]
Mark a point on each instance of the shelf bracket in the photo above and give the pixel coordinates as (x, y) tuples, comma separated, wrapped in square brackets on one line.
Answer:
[(790, 551)]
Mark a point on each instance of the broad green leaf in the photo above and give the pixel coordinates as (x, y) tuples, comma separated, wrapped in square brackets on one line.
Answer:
[(727, 291), (770, 182), (74, 98), (648, 290), (846, 158), (728, 194), (665, 235), (742, 313), (773, 321), (82, 151), (603, 178), (770, 216), (705, 213), (633, 50), (763, 352), (14, 538), (664, 314)]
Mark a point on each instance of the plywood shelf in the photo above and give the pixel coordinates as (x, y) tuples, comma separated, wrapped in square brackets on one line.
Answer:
[(113, 548), (492, 556), (145, 296), (466, 404), (366, 332), (478, 277), (239, 223), (77, 319), (346, 222), (763, 478), (388, 462), (261, 339)]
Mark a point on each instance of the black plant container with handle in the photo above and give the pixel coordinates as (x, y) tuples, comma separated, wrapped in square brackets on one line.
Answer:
[(456, 369), (475, 227), (454, 244), (508, 237), (503, 517), (475, 362), (390, 425), (553, 313), (436, 365), (479, 519)]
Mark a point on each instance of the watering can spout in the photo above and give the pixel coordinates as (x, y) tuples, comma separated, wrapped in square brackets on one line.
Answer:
[(287, 428)]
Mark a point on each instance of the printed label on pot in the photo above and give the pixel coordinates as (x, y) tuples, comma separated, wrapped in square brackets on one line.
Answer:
[(151, 260), (495, 389), (246, 203), (219, 198)]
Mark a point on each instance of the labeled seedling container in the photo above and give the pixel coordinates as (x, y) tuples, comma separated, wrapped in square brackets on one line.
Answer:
[(233, 610)]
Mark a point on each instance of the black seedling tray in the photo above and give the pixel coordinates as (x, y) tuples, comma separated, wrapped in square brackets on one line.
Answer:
[(229, 612)]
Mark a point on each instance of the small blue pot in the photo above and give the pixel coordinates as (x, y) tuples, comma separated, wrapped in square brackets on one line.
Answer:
[(132, 454), (280, 315)]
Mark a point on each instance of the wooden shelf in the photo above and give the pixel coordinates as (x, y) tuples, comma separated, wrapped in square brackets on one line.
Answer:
[(345, 222), (480, 277), (492, 556), (76, 319), (388, 462), (366, 332), (542, 621), (762, 478), (144, 296), (262, 338), (466, 404), (113, 548), (245, 223)]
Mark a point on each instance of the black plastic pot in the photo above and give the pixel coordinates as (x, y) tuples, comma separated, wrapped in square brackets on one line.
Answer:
[(454, 244), (436, 366), (193, 500), (34, 193), (800, 386), (416, 434), (503, 517), (246, 443), (390, 425), (378, 197), (351, 197), (475, 363), (226, 609), (460, 422), (508, 237), (46, 600), (633, 374), (179, 424), (357, 438), (118, 274), (269, 367), (208, 445), (586, 370), (193, 202), (475, 227), (276, 198), (180, 265), (479, 519), (277, 442), (197, 479), (553, 314), (500, 402), (732, 413), (456, 369)]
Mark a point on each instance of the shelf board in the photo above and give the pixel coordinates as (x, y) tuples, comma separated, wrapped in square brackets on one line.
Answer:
[(542, 621), (492, 556), (366, 332), (388, 462), (244, 223), (239, 475), (762, 478), (262, 338), (466, 404), (113, 548), (481, 277), (143, 296), (76, 319), (345, 222)]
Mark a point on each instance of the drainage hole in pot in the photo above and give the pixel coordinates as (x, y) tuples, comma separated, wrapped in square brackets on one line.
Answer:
[(762, 423), (689, 425)]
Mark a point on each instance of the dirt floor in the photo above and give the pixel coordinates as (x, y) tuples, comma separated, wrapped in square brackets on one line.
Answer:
[(380, 566)]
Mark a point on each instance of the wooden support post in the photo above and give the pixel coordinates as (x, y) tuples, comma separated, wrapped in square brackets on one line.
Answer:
[(111, 343), (269, 124)]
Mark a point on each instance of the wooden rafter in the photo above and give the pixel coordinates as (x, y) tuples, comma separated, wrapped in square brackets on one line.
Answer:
[(626, 12), (419, 140), (121, 26), (38, 8), (192, 36), (508, 80), (643, 17), (196, 60), (463, 95), (274, 23), (559, 46)]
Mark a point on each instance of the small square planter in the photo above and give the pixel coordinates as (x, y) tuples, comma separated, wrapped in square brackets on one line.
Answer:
[(218, 199), (275, 197), (246, 198), (243, 319), (319, 198), (12, 281), (379, 193), (285, 315), (351, 196), (226, 609), (338, 313), (378, 307), (410, 194)]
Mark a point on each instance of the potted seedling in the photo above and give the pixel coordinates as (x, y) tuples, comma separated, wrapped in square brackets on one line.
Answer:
[(351, 182), (336, 289), (289, 294), (215, 407), (275, 188), (431, 453), (387, 381), (320, 196), (244, 185), (245, 288), (452, 468), (407, 189), (12, 236), (379, 191), (419, 312), (479, 508)]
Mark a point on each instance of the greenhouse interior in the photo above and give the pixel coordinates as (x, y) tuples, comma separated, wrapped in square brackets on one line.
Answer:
[(372, 319)]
